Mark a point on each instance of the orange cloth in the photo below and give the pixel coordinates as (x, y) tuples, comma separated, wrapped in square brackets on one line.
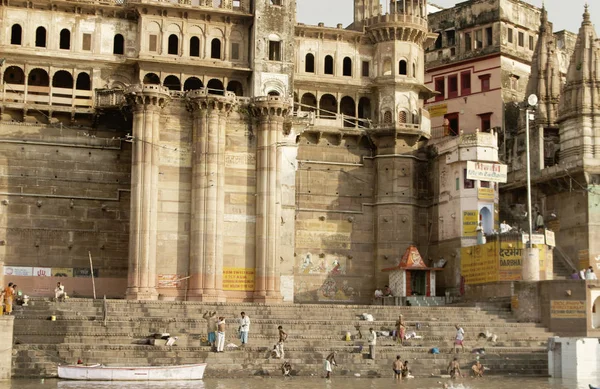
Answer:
[(8, 299)]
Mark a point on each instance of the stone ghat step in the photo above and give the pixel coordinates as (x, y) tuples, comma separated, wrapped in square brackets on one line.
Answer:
[(226, 364), (195, 341), (267, 323), (453, 315), (250, 307), (148, 351)]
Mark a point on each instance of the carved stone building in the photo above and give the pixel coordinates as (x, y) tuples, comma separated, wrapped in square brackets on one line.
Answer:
[(564, 146), (211, 150)]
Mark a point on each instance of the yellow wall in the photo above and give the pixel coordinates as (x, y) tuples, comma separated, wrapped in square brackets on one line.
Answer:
[(498, 261)]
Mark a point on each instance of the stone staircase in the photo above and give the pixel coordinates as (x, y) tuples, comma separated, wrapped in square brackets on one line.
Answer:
[(82, 331)]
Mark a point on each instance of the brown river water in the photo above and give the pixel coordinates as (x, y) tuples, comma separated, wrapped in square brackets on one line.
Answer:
[(308, 382)]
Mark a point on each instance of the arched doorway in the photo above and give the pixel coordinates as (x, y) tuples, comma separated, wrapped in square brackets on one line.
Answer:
[(173, 83), (487, 219), (192, 83), (348, 108), (235, 87), (328, 107), (14, 75), (308, 102), (151, 79), (215, 87)]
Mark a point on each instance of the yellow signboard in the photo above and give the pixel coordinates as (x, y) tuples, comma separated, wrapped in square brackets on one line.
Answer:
[(62, 272), (438, 110), (567, 309), (511, 261), (470, 220), (497, 261), (477, 265), (238, 278), (485, 193)]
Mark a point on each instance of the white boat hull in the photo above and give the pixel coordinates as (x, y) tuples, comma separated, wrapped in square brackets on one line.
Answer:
[(146, 373)]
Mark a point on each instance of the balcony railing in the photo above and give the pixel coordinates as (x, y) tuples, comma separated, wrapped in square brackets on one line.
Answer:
[(47, 95)]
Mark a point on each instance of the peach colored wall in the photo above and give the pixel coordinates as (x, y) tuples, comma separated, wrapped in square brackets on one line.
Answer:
[(74, 286), (478, 102)]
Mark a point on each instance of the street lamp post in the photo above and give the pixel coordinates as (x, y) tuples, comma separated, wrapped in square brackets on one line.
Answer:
[(531, 267), (532, 101)]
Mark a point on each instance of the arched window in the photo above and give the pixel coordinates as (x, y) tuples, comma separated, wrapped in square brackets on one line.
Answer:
[(192, 83), (40, 37), (194, 46), (215, 49), (273, 93), (65, 39), (235, 87), (119, 45), (403, 70), (62, 79), (151, 79), (387, 117), (173, 44), (402, 117), (38, 77), (364, 108), (14, 75), (347, 71), (215, 87), (16, 33), (328, 65), (308, 102), (309, 63), (348, 108), (83, 82), (328, 107), (173, 83)]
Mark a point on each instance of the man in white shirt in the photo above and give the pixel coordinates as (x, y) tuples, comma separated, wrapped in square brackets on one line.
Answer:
[(221, 335), (459, 339), (504, 227), (59, 292), (590, 275), (244, 328), (372, 342)]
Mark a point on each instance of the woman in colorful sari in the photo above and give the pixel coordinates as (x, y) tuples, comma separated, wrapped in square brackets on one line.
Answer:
[(8, 298)]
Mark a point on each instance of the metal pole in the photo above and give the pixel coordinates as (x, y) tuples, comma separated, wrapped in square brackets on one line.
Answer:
[(528, 175), (92, 273)]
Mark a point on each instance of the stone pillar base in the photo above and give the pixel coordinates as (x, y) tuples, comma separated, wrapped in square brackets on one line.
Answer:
[(141, 294), (531, 264), (269, 298), (207, 296)]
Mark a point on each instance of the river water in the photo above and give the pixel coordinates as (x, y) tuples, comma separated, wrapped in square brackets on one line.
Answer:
[(495, 382)]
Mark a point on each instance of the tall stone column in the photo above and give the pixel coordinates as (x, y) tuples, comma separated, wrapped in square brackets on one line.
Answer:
[(147, 102), (271, 112), (208, 194)]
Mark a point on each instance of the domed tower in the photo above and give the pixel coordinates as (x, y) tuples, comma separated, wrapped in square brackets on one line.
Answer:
[(399, 37)]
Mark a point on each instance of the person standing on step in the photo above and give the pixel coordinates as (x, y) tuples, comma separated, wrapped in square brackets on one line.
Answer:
[(211, 327), (244, 328), (400, 330), (8, 298), (328, 364), (220, 335), (459, 338), (397, 366), (282, 338), (372, 338)]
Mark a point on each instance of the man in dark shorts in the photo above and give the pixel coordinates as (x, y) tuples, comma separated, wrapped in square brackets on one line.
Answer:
[(397, 367)]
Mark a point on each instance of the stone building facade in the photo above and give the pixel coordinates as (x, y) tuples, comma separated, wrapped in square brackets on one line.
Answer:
[(563, 146), (211, 150)]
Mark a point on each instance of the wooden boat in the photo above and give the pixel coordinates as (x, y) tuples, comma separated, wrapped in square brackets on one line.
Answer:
[(133, 373)]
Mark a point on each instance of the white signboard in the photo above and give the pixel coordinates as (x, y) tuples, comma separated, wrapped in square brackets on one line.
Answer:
[(42, 271), (18, 271), (550, 241), (535, 238), (482, 171)]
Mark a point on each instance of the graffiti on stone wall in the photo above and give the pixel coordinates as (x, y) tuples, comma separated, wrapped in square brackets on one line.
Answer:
[(332, 289), (329, 264)]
